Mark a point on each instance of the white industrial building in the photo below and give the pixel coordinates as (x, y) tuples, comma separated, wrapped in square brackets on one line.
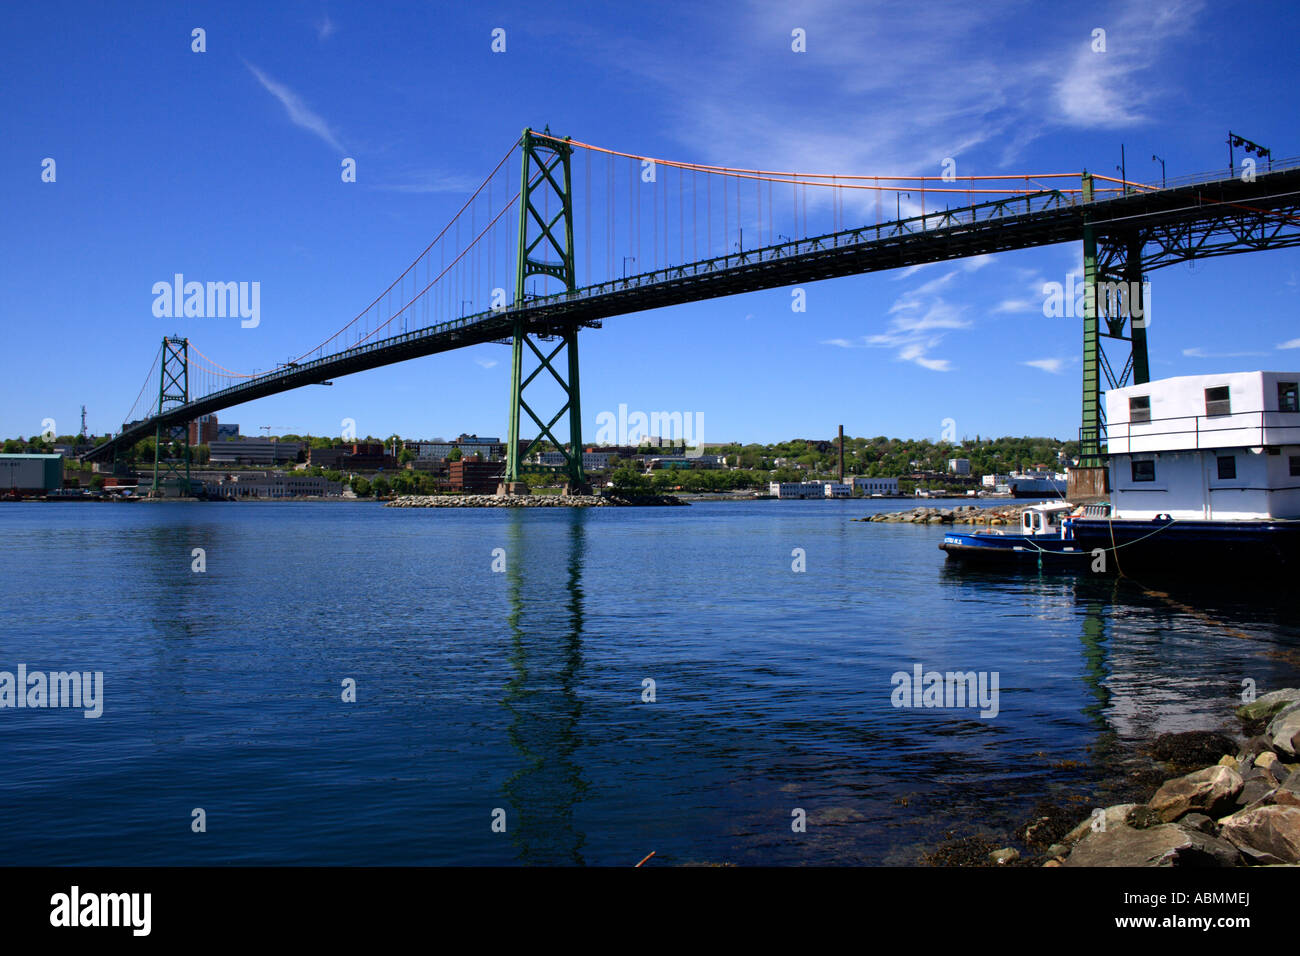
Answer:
[(1206, 446), (591, 460), (797, 489), (274, 486), (876, 486)]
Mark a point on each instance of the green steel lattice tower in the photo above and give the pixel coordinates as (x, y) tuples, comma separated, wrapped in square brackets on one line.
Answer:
[(545, 249)]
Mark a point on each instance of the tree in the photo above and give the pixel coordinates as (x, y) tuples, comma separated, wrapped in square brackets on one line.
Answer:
[(361, 487), (628, 480), (455, 455), (381, 487)]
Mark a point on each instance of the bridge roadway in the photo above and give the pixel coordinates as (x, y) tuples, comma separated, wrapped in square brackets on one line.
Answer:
[(1194, 220)]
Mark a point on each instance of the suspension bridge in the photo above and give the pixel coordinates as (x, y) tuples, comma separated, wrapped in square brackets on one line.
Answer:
[(693, 231)]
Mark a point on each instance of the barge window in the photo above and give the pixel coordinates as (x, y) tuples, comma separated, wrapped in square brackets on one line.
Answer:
[(1144, 471), (1295, 466), (1228, 466), (1217, 401), (1139, 408), (1288, 397)]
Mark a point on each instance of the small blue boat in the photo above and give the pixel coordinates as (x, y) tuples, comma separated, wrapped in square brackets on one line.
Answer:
[(1045, 537)]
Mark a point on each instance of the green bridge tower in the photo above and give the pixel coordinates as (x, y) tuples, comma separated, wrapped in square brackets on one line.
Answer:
[(174, 391), (545, 249), (1114, 296)]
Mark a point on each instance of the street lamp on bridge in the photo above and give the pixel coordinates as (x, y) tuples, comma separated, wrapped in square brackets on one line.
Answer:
[(1157, 159)]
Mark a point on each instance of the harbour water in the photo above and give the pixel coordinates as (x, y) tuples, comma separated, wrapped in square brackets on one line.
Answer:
[(515, 680)]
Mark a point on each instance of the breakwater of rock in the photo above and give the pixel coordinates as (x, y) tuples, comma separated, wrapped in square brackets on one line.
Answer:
[(532, 501), (1240, 808), (999, 514)]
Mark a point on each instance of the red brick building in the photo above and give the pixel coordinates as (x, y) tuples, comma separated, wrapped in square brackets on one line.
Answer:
[(474, 476)]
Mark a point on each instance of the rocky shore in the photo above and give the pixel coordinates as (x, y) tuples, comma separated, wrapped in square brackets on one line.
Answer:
[(1240, 808), (532, 501), (999, 514)]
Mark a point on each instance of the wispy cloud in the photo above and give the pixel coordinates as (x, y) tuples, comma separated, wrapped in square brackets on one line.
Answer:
[(485, 363), (1202, 353), (1110, 88), (431, 181), (1053, 365), (299, 113), (1016, 306), (325, 28), (949, 86), (1292, 344)]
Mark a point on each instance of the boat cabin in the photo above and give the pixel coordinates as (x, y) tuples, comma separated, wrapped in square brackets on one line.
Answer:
[(1044, 519), (1206, 447)]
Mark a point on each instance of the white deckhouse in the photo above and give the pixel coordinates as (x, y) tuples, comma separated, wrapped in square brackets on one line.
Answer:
[(1209, 447)]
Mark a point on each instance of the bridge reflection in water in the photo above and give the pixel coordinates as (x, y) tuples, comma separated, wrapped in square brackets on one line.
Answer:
[(541, 697)]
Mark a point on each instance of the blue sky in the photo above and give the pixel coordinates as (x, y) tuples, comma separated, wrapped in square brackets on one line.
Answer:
[(225, 165)]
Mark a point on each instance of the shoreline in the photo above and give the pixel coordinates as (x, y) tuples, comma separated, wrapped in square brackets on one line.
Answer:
[(534, 501), (1216, 798)]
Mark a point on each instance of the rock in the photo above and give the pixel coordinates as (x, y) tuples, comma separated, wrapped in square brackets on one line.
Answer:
[(1199, 822), (1275, 797), (1142, 817), (1283, 731), (1267, 705), (1195, 748), (1266, 760), (1268, 834), (1253, 748), (1212, 790), (1005, 855), (1229, 761), (1253, 791), (1292, 782), (1166, 845), (1275, 771), (1057, 850), (1111, 817)]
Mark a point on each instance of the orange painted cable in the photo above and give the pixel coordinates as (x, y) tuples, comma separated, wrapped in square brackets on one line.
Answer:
[(705, 167)]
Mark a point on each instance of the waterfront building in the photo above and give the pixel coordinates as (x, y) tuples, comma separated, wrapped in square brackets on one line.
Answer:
[(591, 461), (273, 486), (254, 451), (876, 486), (475, 476), (959, 466), (836, 489), (797, 489), (30, 474)]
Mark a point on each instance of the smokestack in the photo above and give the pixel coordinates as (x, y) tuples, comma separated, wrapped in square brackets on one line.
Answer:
[(841, 454)]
